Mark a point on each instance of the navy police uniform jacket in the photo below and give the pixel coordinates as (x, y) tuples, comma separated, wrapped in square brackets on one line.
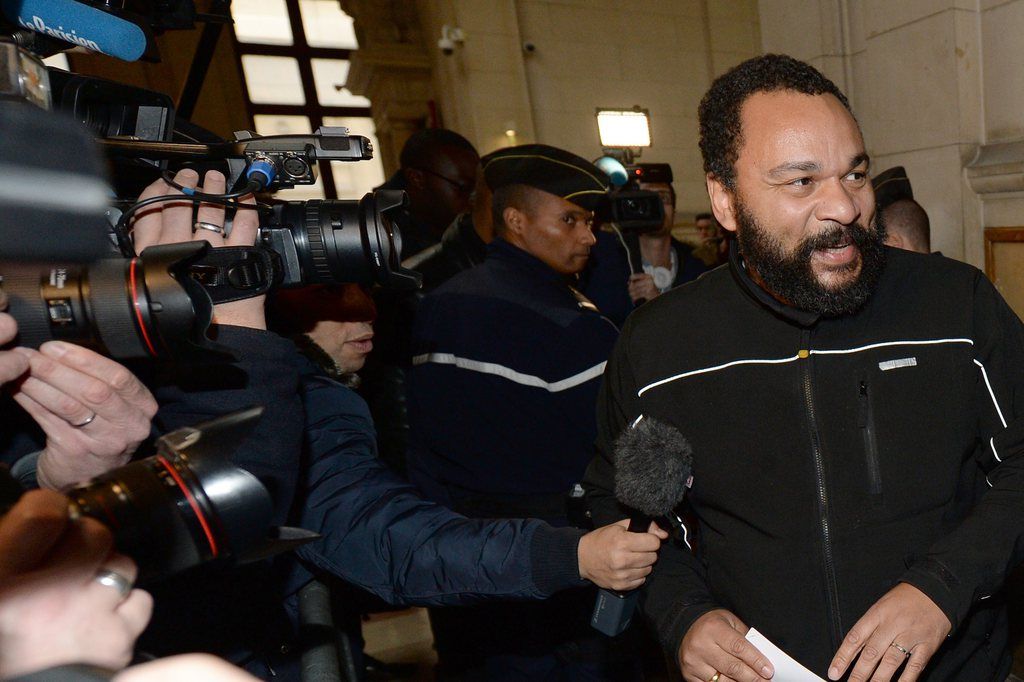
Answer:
[(507, 360)]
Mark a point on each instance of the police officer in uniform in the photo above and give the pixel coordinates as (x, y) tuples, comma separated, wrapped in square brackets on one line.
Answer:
[(906, 221), (507, 360)]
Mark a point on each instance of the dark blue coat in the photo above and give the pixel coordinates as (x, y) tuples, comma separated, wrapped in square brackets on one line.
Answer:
[(506, 368), (315, 451), (380, 534)]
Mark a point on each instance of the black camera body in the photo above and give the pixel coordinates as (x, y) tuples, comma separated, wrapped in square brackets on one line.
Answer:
[(159, 304), (634, 210)]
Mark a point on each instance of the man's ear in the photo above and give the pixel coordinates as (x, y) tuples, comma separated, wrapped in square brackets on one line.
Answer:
[(723, 203), (514, 220), (895, 239)]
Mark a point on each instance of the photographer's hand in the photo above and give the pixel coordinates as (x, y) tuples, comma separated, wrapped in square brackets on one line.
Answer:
[(93, 410), (12, 365), (642, 288), (53, 608), (171, 222)]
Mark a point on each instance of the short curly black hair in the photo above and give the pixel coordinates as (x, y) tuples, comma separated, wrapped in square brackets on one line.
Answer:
[(719, 111)]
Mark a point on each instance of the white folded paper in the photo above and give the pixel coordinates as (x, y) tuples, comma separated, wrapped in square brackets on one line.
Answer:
[(786, 668)]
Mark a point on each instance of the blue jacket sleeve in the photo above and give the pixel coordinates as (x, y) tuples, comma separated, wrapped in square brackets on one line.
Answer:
[(379, 534)]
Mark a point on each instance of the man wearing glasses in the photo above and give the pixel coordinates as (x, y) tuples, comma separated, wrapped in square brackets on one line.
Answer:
[(438, 173)]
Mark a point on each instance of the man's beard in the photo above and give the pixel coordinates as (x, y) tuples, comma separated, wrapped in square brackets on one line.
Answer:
[(790, 277)]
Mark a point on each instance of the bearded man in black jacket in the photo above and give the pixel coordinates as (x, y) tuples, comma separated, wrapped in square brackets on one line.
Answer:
[(854, 412)]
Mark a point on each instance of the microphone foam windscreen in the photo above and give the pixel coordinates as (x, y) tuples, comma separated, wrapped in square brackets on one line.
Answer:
[(653, 462)]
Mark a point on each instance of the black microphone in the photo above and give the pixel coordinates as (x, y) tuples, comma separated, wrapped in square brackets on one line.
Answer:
[(653, 467)]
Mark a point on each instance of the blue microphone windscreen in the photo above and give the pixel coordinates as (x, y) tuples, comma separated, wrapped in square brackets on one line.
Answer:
[(79, 24), (614, 169)]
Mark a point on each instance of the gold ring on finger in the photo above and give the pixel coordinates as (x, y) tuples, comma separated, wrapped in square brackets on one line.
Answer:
[(714, 678)]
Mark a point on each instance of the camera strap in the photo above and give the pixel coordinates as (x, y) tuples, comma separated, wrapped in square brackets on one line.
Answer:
[(234, 273)]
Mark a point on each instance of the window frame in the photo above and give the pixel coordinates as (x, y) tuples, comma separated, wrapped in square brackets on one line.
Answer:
[(301, 51)]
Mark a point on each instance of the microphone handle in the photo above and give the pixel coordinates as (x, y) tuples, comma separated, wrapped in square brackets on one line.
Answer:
[(613, 610), (639, 524)]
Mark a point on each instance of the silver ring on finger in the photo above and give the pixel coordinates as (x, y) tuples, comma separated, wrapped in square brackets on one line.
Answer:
[(88, 420), (902, 650), (203, 225), (109, 578)]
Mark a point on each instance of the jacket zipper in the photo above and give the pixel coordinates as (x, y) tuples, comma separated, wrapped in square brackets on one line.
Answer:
[(832, 587), (867, 425)]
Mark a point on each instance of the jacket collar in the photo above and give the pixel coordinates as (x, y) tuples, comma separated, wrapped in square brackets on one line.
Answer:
[(739, 271), (502, 251)]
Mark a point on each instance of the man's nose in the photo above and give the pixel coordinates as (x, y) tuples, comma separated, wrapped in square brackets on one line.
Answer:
[(589, 238), (837, 203)]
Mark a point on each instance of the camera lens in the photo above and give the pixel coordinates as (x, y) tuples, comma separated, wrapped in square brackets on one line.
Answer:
[(637, 208), (167, 516), (125, 308), (184, 506), (103, 306), (342, 241)]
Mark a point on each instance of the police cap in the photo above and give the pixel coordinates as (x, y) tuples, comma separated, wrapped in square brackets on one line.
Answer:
[(891, 186), (549, 169)]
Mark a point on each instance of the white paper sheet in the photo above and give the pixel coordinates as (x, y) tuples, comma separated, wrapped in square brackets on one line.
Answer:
[(786, 669)]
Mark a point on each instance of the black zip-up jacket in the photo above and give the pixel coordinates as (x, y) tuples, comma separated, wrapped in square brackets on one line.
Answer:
[(833, 458)]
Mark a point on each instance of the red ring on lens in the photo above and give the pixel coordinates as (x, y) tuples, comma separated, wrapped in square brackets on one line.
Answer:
[(192, 503), (138, 308)]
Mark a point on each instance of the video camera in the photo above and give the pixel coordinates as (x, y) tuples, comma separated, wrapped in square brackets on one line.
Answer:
[(159, 303), (633, 210), (636, 210)]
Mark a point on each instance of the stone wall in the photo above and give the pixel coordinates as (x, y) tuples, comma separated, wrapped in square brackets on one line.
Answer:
[(659, 54), (934, 83)]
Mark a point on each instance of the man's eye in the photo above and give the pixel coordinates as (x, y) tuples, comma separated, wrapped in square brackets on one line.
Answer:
[(857, 176), (569, 219), (801, 182)]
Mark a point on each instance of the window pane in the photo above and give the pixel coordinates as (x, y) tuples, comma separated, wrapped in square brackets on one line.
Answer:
[(272, 80), (282, 125), (261, 21), (326, 25), (354, 179), (330, 76)]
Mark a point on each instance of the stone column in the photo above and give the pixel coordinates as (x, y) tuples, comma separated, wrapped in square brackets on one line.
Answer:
[(391, 68)]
